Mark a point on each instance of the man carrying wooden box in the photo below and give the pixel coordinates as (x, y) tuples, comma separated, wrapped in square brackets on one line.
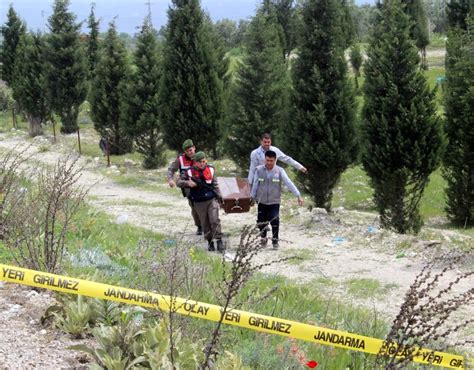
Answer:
[(205, 195), (266, 192)]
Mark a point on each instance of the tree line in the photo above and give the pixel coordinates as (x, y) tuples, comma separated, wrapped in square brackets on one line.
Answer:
[(292, 80)]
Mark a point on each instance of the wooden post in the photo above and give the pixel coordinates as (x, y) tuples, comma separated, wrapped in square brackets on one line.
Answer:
[(54, 128), (14, 117), (108, 155), (79, 140)]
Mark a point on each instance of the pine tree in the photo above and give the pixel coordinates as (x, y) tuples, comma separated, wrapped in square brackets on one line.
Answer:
[(322, 131), (142, 107), (11, 32), (191, 90), (66, 68), (107, 93), (29, 82), (403, 132), (459, 104), (457, 13), (419, 26), (224, 74), (349, 31), (259, 101), (285, 11), (92, 41), (356, 62)]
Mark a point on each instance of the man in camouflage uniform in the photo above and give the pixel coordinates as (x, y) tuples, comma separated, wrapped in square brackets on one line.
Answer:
[(204, 192), (182, 163)]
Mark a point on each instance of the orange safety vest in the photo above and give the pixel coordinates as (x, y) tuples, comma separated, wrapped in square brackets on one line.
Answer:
[(203, 191), (185, 163), (207, 174)]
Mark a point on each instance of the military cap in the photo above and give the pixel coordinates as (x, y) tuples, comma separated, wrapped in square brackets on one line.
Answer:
[(199, 156), (187, 144)]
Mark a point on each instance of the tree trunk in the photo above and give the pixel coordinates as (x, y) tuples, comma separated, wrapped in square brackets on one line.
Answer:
[(35, 128)]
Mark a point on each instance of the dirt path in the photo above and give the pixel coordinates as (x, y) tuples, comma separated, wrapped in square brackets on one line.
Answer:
[(345, 253)]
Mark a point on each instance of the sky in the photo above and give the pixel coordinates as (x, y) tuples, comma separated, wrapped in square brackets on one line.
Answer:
[(129, 13)]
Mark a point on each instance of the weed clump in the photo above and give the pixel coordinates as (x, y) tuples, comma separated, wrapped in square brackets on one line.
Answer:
[(426, 315)]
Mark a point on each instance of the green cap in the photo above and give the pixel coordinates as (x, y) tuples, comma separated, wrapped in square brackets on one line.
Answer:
[(199, 156), (187, 144)]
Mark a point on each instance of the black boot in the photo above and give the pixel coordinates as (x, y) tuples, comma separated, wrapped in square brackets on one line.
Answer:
[(210, 246), (220, 245), (199, 230)]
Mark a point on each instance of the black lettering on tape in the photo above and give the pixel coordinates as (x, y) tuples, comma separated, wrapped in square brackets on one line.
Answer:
[(56, 282), (273, 325), (131, 296), (344, 340), (432, 358), (231, 316), (456, 363), (196, 308), (13, 274)]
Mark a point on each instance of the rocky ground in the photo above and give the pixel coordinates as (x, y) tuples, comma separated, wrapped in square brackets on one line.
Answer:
[(342, 253)]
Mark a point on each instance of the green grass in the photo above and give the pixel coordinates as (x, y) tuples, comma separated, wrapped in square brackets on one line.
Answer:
[(367, 288), (6, 122), (139, 203), (353, 191), (438, 41), (301, 255)]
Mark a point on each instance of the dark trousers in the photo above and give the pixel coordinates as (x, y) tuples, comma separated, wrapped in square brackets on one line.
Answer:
[(268, 213)]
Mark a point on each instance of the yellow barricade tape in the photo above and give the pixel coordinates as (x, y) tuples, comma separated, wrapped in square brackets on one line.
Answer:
[(262, 323)]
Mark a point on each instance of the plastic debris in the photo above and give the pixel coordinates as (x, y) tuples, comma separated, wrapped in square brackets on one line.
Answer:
[(169, 242), (338, 240), (121, 219), (371, 229)]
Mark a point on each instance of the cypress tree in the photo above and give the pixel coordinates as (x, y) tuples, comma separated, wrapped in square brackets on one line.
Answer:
[(29, 82), (107, 92), (191, 90), (459, 104), (349, 31), (259, 101), (142, 107), (457, 13), (419, 26), (322, 131), (12, 32), (356, 62), (66, 68), (92, 41), (403, 132), (285, 11), (223, 73)]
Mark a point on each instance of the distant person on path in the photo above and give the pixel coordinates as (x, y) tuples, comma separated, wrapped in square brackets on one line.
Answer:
[(266, 192), (204, 193), (257, 157), (182, 163)]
